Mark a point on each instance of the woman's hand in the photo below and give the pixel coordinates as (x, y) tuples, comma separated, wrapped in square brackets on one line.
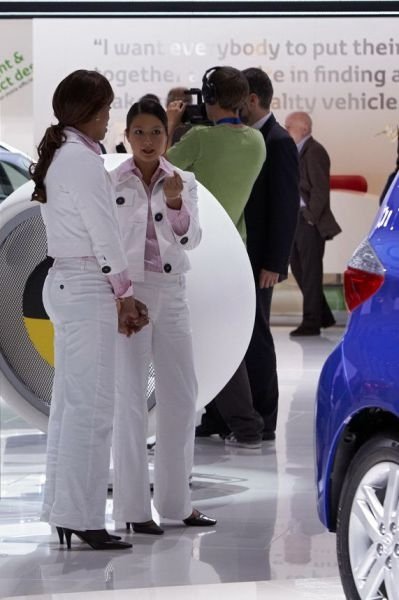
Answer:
[(143, 312), (172, 188), (174, 111), (132, 315)]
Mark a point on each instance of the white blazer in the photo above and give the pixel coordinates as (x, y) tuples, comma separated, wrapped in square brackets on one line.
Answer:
[(132, 207), (80, 214)]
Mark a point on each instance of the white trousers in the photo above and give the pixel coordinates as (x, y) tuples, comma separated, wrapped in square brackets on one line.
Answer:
[(81, 306), (166, 342)]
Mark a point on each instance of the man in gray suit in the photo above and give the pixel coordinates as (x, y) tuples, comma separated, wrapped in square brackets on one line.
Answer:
[(316, 224)]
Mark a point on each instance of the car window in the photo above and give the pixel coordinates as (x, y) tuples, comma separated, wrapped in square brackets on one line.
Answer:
[(14, 175), (5, 183), (11, 178)]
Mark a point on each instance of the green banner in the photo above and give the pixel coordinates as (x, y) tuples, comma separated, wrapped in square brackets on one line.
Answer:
[(15, 72)]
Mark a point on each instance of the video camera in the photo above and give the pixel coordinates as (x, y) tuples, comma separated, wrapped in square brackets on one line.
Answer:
[(195, 114)]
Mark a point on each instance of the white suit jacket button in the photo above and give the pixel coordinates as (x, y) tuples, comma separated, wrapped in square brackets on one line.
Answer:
[(167, 268), (184, 240), (120, 200), (158, 217), (106, 269)]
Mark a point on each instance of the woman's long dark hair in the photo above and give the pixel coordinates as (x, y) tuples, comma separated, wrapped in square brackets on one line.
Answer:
[(147, 107), (76, 101)]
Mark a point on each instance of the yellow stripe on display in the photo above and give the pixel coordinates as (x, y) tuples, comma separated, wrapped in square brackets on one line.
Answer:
[(38, 326), (41, 334)]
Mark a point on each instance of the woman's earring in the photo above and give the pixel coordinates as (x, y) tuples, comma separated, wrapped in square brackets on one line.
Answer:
[(97, 118)]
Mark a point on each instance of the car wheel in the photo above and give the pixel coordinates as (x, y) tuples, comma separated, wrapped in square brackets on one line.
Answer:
[(368, 522)]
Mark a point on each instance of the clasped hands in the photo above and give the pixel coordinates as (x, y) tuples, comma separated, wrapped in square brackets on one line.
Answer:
[(132, 315)]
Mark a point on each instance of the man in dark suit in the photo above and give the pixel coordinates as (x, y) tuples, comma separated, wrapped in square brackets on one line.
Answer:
[(271, 217), (316, 224)]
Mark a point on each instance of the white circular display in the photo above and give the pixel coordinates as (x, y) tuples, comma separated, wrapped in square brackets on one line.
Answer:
[(221, 296)]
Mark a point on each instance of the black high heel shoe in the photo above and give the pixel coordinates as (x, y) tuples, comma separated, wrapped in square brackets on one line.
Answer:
[(198, 519), (147, 527), (98, 539), (60, 532)]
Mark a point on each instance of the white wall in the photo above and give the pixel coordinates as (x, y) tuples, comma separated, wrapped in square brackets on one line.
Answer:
[(157, 54), (166, 52)]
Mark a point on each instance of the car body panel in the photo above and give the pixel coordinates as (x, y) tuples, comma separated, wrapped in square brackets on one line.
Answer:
[(362, 372)]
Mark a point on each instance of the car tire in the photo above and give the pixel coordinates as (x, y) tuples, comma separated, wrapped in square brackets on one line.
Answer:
[(368, 522)]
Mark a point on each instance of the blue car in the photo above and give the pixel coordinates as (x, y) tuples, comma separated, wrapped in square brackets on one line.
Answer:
[(357, 418)]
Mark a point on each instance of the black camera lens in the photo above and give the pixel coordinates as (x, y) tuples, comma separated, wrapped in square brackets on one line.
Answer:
[(195, 111)]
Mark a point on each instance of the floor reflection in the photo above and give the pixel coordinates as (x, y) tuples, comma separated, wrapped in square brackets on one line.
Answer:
[(264, 500)]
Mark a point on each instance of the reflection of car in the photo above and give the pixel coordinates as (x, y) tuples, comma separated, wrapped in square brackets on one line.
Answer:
[(357, 418), (14, 171)]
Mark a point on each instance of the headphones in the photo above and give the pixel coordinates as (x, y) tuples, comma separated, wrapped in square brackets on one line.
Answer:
[(209, 92)]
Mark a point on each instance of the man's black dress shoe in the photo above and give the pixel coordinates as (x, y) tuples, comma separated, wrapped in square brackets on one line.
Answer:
[(198, 519), (329, 323), (302, 330), (147, 527), (204, 431), (268, 435)]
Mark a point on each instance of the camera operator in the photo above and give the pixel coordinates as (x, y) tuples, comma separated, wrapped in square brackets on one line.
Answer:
[(226, 158)]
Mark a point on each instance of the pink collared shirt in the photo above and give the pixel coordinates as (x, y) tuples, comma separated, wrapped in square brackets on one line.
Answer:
[(178, 219), (95, 146), (120, 282)]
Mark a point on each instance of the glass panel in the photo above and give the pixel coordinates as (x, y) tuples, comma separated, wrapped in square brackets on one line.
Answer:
[(14, 174)]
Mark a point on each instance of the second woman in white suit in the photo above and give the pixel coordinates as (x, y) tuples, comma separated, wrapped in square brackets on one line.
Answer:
[(158, 214)]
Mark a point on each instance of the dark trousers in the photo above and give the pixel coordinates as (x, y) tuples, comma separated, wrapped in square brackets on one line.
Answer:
[(233, 408), (260, 360), (307, 268)]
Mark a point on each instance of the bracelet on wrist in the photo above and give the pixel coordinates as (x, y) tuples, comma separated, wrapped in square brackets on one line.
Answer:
[(174, 198)]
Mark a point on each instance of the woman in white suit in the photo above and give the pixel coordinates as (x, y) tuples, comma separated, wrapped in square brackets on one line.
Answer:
[(158, 213), (88, 276)]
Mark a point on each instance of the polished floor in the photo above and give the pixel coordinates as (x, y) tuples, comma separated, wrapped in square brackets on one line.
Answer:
[(268, 541)]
